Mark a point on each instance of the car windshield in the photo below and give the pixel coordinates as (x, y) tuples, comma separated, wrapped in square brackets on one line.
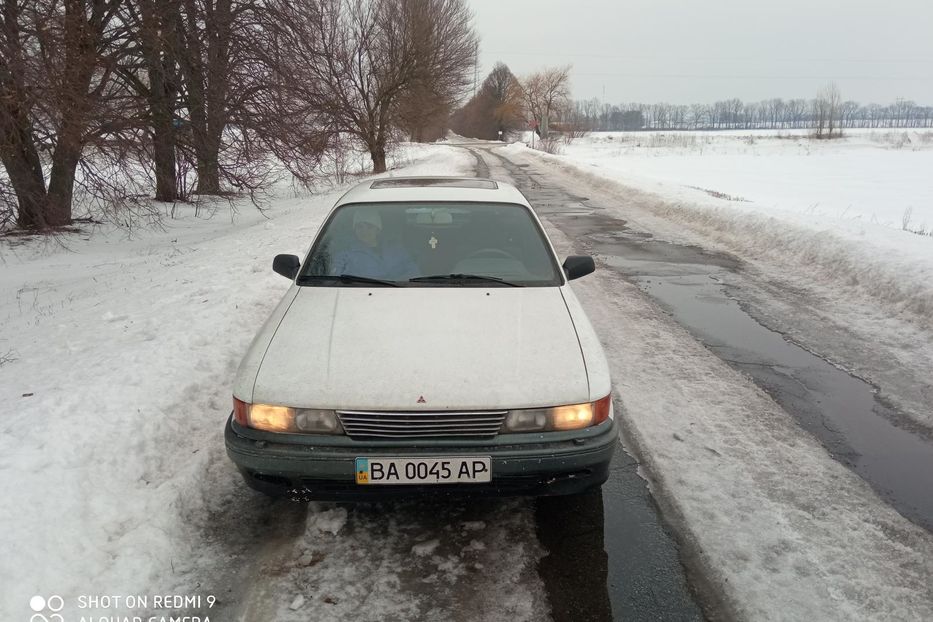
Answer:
[(431, 245)]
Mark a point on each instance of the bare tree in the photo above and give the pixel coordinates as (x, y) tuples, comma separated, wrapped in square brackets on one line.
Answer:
[(423, 112), (826, 110), (207, 55), (699, 115), (545, 92), (356, 60), (445, 47), (505, 94), (834, 101), (149, 70), (56, 69), (496, 107)]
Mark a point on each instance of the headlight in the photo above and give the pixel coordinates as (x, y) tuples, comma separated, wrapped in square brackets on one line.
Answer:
[(569, 417), (286, 419), (271, 418), (318, 421), (529, 420)]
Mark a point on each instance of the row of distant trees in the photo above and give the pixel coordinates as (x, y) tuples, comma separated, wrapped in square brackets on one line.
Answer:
[(117, 100), (733, 114), (542, 101)]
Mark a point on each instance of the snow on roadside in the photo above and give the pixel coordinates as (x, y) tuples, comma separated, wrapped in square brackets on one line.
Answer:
[(864, 251), (778, 528), (871, 280), (868, 177), (122, 352)]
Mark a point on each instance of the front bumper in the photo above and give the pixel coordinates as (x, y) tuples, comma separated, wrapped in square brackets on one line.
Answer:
[(322, 467)]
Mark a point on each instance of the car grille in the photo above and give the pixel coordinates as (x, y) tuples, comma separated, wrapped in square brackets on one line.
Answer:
[(359, 424)]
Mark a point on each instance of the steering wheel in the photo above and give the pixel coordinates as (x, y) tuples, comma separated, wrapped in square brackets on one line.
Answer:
[(490, 252)]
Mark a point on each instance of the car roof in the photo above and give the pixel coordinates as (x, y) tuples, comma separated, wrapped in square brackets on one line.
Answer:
[(417, 189)]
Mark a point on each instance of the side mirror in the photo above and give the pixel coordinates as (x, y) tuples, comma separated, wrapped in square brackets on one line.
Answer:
[(576, 266), (286, 265)]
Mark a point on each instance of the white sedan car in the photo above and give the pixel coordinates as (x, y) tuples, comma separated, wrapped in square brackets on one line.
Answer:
[(429, 342)]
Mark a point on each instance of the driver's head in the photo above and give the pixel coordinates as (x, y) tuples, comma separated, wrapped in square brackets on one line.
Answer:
[(367, 225)]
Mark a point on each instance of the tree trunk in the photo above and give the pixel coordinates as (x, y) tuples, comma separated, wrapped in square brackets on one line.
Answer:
[(378, 155), (161, 111), (159, 41), (200, 86), (17, 143), (30, 213), (208, 164), (206, 145), (24, 169), (61, 184), (163, 151), (208, 177), (29, 187), (81, 57)]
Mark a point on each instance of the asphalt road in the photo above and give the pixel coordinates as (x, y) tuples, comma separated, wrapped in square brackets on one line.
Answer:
[(610, 554)]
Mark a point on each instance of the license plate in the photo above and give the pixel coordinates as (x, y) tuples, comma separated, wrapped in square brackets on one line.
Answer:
[(460, 470)]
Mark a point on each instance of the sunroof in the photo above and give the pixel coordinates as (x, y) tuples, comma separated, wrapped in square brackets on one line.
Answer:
[(443, 182)]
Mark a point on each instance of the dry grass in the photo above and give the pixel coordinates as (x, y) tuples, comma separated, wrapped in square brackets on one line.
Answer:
[(907, 225), (549, 145), (720, 195), (7, 357)]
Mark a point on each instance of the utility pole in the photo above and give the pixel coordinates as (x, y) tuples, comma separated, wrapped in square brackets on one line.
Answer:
[(475, 65)]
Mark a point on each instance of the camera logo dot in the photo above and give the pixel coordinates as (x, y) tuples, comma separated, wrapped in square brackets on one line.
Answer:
[(40, 604)]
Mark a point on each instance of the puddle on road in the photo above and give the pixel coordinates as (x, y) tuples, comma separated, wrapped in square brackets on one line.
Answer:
[(836, 407)]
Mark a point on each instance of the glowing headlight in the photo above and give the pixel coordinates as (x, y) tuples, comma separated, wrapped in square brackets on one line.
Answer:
[(286, 419), (569, 417), (572, 417), (271, 418)]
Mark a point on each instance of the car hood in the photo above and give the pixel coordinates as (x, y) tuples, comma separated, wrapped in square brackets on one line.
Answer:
[(423, 349)]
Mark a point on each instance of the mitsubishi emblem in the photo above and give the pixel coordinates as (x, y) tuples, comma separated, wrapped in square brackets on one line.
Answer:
[(421, 400)]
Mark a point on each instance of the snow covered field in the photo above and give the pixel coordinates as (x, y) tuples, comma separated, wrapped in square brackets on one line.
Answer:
[(868, 177), (820, 216), (117, 356)]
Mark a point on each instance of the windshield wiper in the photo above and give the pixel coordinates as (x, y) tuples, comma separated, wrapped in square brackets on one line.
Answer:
[(462, 277), (345, 278)]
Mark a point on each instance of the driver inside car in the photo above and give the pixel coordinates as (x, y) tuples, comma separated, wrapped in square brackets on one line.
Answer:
[(369, 255)]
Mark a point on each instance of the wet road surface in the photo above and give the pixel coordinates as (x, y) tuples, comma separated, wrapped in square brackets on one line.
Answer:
[(610, 557), (841, 410), (610, 554)]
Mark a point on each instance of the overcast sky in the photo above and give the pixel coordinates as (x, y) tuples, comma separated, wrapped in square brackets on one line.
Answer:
[(685, 51)]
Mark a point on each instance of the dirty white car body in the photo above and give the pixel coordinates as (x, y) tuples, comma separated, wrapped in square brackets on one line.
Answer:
[(426, 378)]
